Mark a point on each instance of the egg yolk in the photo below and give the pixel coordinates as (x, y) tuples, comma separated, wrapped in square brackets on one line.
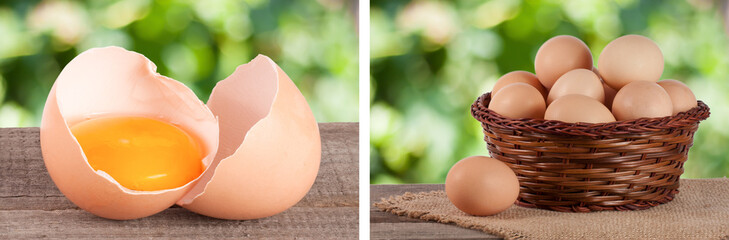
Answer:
[(140, 153)]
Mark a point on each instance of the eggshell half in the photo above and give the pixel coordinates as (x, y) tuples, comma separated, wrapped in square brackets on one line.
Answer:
[(114, 81), (270, 147)]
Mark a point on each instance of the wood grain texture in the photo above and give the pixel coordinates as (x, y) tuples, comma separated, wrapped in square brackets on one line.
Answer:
[(385, 225), (32, 207)]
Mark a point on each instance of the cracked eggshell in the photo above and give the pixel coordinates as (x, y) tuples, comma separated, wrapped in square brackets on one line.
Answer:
[(270, 147), (114, 81)]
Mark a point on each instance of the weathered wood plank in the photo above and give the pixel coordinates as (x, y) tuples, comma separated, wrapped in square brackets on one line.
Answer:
[(31, 206), (423, 230), (297, 222), (385, 225)]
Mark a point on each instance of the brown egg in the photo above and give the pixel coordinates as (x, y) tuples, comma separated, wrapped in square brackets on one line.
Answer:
[(559, 55), (578, 81), (481, 186), (519, 76), (609, 95), (594, 70), (519, 100), (575, 108), (641, 99), (630, 58), (609, 92), (681, 96)]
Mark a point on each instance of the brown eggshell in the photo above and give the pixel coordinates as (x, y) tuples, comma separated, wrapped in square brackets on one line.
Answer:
[(682, 97), (597, 73), (114, 81), (609, 95), (559, 55), (578, 81), (270, 147), (641, 99), (519, 76), (576, 108), (630, 58), (518, 100), (481, 186), (609, 92)]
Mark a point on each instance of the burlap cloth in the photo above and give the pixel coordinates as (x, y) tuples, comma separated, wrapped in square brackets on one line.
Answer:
[(699, 211)]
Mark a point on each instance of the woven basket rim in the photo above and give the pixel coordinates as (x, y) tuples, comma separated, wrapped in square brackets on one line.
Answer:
[(685, 119)]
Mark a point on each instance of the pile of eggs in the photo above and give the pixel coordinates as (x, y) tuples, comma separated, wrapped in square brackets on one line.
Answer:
[(567, 87)]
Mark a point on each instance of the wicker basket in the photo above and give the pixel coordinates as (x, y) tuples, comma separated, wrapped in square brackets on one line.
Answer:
[(624, 165)]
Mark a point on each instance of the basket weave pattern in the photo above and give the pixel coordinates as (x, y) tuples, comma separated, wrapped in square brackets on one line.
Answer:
[(623, 165)]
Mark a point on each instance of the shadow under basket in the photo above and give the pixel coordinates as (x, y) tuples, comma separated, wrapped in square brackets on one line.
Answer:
[(583, 167)]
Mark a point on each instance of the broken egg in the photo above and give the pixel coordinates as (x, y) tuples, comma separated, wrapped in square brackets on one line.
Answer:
[(122, 142)]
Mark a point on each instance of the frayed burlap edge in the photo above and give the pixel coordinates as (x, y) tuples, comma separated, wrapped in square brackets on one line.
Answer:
[(390, 205)]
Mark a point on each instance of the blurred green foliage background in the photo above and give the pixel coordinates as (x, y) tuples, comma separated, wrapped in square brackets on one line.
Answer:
[(195, 42), (431, 59)]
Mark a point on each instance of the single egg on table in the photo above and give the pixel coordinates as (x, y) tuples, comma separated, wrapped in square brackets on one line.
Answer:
[(630, 58), (481, 186), (682, 98), (578, 81), (518, 100), (641, 99), (559, 55), (122, 142), (576, 108), (519, 76)]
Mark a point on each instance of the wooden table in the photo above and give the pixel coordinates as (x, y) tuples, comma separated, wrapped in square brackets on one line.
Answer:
[(32, 207), (384, 225)]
